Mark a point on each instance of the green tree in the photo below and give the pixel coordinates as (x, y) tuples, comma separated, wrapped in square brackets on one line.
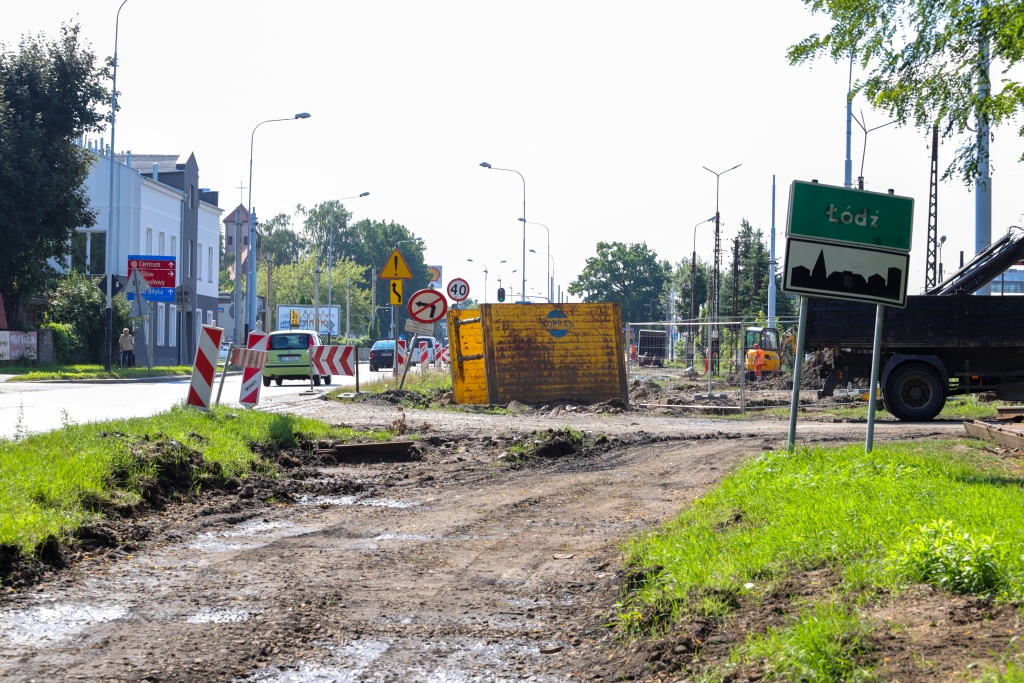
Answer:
[(295, 283), (326, 230), (373, 243), (685, 284), (630, 274), (925, 63), (279, 242), (49, 92), (78, 302)]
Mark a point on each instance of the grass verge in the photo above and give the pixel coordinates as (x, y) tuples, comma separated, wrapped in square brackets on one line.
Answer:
[(420, 390), (54, 482), (68, 372), (944, 513), (966, 407)]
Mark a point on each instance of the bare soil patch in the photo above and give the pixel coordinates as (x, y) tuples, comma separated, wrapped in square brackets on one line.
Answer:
[(458, 563)]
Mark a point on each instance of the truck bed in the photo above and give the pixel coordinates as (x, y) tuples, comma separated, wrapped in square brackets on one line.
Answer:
[(928, 323)]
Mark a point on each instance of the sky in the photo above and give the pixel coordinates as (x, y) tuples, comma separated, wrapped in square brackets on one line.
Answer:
[(610, 111)]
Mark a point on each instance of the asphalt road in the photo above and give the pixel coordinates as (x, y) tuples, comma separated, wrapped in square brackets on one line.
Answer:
[(29, 407)]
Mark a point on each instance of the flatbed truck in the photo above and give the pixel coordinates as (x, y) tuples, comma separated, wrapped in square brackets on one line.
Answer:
[(946, 342)]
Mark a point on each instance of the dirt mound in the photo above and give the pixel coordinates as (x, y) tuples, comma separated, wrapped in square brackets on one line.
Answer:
[(644, 391)]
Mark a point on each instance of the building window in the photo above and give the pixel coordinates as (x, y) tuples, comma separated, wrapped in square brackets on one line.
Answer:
[(229, 238), (161, 324), (209, 317), (188, 260), (209, 264), (191, 197), (162, 243), (172, 325), (199, 260), (149, 241), (174, 246)]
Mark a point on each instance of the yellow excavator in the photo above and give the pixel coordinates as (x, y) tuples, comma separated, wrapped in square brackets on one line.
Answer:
[(771, 341)]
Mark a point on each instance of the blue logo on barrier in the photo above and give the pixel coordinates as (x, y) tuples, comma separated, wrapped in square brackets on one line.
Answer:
[(558, 324)]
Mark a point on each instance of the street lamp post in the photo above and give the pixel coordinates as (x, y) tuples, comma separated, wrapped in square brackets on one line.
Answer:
[(112, 237), (693, 270), (718, 260), (330, 270), (485, 276), (942, 240), (551, 267), (251, 286), (523, 219)]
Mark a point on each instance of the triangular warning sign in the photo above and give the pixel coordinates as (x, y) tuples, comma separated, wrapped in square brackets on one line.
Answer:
[(396, 268)]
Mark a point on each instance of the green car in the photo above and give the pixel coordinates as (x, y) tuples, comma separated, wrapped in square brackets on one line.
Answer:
[(288, 357)]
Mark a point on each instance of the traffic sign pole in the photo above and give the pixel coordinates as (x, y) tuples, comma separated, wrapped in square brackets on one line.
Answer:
[(408, 360)]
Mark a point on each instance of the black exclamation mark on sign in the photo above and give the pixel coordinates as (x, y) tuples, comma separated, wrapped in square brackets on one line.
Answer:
[(396, 265)]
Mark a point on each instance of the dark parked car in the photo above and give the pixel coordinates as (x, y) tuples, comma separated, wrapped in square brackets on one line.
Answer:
[(382, 355)]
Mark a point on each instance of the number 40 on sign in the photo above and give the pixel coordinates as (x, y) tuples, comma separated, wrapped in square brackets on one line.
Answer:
[(458, 289)]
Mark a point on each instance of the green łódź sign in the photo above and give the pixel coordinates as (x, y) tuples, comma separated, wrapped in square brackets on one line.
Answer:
[(838, 214)]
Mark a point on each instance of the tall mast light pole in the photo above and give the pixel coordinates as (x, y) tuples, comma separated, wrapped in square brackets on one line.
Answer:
[(251, 293), (523, 219)]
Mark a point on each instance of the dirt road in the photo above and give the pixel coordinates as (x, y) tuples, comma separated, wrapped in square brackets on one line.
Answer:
[(455, 566)]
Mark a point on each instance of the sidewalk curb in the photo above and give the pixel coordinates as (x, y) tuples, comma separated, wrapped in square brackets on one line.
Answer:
[(115, 380)]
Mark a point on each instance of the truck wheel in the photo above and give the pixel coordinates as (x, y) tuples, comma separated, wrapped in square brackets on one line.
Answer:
[(316, 380), (266, 381), (914, 393)]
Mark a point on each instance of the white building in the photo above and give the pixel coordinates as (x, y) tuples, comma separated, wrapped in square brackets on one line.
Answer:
[(159, 210)]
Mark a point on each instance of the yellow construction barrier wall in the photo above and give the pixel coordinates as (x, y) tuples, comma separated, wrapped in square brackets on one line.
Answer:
[(533, 353)]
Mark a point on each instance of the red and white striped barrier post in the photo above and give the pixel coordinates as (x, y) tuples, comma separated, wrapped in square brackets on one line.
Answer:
[(441, 357), (424, 354), (399, 355), (253, 361), (205, 367)]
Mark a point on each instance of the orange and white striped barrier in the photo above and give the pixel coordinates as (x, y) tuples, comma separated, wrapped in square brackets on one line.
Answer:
[(252, 360), (248, 358), (204, 368)]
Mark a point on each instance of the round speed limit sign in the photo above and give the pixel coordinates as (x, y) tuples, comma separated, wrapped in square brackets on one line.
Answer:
[(458, 289)]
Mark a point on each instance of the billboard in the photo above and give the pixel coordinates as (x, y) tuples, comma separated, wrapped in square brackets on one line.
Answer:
[(293, 316)]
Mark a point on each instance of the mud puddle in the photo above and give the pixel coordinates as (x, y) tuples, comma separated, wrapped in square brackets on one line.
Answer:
[(53, 621), (456, 660)]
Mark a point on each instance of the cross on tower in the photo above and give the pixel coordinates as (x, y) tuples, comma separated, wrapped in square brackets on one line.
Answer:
[(241, 188)]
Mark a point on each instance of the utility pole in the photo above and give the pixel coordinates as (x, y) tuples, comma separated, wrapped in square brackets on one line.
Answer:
[(268, 326), (735, 276), (237, 299), (930, 266)]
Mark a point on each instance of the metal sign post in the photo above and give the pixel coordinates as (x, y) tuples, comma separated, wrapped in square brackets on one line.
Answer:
[(876, 351), (798, 361), (408, 361)]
